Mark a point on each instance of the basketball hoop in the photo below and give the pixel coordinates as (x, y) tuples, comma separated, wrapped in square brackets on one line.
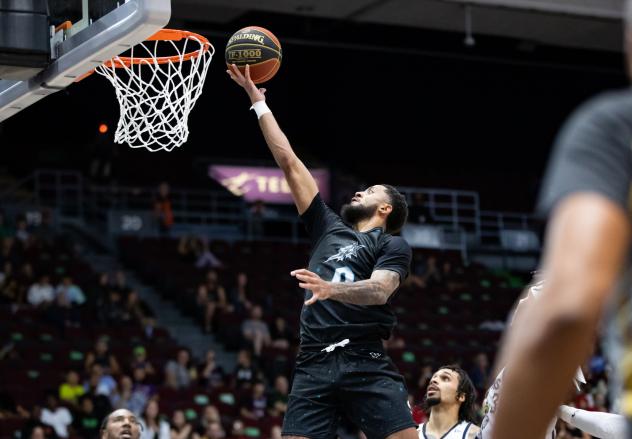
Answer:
[(156, 92)]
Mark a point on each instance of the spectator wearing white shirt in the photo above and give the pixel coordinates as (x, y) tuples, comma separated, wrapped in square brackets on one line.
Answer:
[(57, 417), (69, 292), (41, 293)]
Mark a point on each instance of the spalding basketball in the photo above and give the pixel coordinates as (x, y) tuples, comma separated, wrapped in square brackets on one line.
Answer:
[(257, 47)]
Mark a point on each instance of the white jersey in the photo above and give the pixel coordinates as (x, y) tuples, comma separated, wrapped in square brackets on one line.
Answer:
[(489, 408), (459, 431)]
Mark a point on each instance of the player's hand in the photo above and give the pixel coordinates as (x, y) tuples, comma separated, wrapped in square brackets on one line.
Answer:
[(243, 80), (321, 289)]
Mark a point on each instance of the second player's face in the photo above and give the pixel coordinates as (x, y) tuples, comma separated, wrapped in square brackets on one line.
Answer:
[(443, 387), (122, 424)]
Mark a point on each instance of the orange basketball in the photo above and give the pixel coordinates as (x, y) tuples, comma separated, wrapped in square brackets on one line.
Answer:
[(257, 47)]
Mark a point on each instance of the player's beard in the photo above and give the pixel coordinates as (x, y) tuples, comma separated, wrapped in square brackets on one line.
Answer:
[(353, 214), (432, 401)]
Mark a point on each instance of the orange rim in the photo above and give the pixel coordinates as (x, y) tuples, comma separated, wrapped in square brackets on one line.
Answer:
[(163, 35)]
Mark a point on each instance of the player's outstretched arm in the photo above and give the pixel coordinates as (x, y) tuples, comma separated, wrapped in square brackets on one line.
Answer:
[(301, 182), (598, 424), (586, 246), (373, 291)]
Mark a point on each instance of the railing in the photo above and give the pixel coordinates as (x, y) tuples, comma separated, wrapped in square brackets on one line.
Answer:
[(493, 223), (454, 209), (457, 213)]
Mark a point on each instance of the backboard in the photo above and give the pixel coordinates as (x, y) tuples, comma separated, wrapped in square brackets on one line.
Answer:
[(101, 29)]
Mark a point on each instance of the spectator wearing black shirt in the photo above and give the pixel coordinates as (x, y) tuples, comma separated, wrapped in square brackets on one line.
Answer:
[(211, 374), (86, 422)]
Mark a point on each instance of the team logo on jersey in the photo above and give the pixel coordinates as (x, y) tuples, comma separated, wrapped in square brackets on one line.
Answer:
[(346, 252)]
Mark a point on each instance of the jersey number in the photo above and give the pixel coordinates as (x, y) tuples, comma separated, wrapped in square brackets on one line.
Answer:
[(343, 274)]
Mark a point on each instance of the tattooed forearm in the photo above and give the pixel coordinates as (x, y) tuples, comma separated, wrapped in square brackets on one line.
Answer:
[(365, 292)]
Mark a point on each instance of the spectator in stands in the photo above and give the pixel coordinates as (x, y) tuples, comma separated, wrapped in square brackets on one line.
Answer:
[(121, 396), (210, 416), (21, 230), (188, 248), (135, 310), (237, 430), (101, 290), (257, 213), (100, 382), (153, 426), (71, 390), (163, 209), (206, 258), (86, 422), (34, 425), (56, 416), (214, 430), (102, 356), (41, 294), (120, 284), (178, 372), (111, 308), (12, 292), (255, 404), (425, 374), (180, 427), (281, 334), (479, 373), (140, 361), (143, 390), (69, 293), (12, 251), (279, 397), (211, 297), (432, 276), (245, 372), (417, 210), (255, 331), (38, 432), (239, 301), (210, 373)]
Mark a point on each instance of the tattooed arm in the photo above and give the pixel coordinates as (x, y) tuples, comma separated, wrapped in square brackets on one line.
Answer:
[(373, 291)]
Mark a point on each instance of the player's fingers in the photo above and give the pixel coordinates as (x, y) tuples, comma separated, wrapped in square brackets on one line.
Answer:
[(247, 75), (299, 271), (305, 285), (311, 300), (236, 71), (263, 91)]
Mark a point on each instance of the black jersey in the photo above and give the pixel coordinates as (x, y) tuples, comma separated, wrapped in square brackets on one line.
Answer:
[(342, 254)]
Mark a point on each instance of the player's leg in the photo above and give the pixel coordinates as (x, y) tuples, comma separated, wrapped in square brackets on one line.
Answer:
[(374, 395), (312, 410)]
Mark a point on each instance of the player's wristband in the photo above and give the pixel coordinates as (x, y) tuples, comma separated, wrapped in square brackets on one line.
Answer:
[(260, 108)]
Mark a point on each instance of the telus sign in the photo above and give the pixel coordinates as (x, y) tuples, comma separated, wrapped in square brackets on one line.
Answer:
[(266, 184)]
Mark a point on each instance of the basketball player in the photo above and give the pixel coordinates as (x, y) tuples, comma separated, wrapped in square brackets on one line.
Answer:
[(355, 267), (587, 192), (490, 404), (120, 424), (450, 398)]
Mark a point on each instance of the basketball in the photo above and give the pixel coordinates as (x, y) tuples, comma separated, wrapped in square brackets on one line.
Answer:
[(257, 47)]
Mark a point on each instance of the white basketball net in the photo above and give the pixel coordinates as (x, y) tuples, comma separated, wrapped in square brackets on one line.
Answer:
[(156, 95)]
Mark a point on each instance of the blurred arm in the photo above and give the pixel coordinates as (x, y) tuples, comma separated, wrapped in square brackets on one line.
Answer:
[(586, 247)]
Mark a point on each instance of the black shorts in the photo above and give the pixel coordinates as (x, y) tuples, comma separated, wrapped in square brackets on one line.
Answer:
[(360, 382)]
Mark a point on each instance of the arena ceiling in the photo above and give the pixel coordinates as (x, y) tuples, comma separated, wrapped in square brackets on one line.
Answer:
[(593, 24)]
